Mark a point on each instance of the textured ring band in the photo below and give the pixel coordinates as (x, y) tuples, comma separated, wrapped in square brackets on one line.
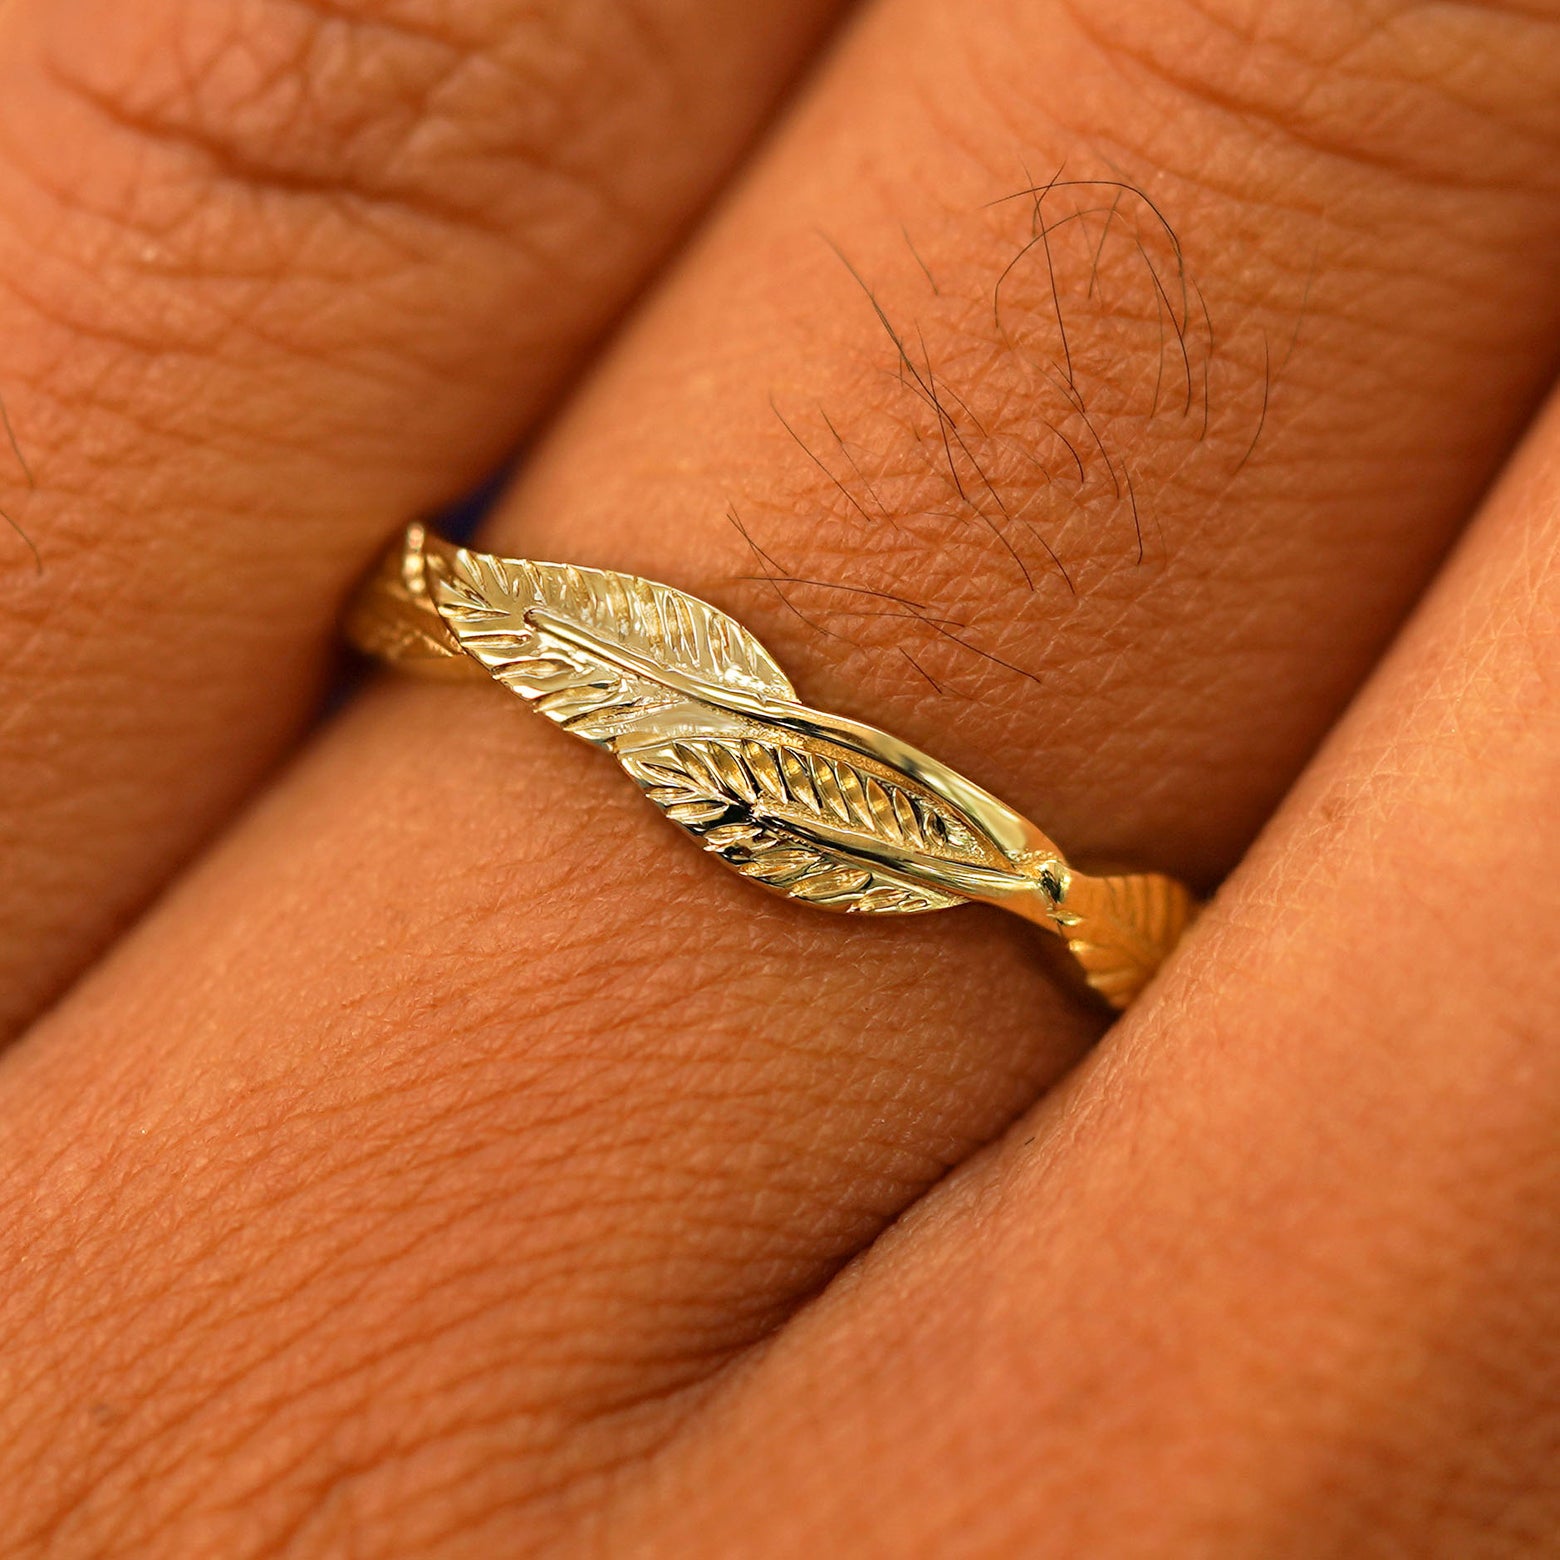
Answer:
[(813, 806)]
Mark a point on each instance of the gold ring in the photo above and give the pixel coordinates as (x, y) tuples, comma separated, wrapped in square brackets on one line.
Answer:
[(812, 806)]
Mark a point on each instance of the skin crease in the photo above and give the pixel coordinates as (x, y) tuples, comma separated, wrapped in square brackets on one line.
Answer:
[(435, 1171), (274, 269)]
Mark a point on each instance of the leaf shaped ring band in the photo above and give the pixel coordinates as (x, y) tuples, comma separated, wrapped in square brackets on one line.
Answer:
[(809, 805)]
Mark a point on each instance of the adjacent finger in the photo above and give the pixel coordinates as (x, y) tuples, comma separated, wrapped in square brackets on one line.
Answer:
[(1279, 1272), (575, 1112), (277, 275)]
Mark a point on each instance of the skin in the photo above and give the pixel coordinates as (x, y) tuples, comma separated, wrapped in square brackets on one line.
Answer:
[(286, 270), (454, 1162)]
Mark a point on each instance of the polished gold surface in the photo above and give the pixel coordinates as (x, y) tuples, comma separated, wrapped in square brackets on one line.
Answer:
[(809, 805)]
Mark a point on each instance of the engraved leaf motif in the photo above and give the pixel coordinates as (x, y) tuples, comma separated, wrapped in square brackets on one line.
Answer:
[(1121, 929), (399, 624), (514, 616), (742, 799), (696, 711)]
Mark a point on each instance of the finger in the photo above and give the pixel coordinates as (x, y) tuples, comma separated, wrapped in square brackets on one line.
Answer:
[(1280, 1272), (628, 1114), (276, 276)]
